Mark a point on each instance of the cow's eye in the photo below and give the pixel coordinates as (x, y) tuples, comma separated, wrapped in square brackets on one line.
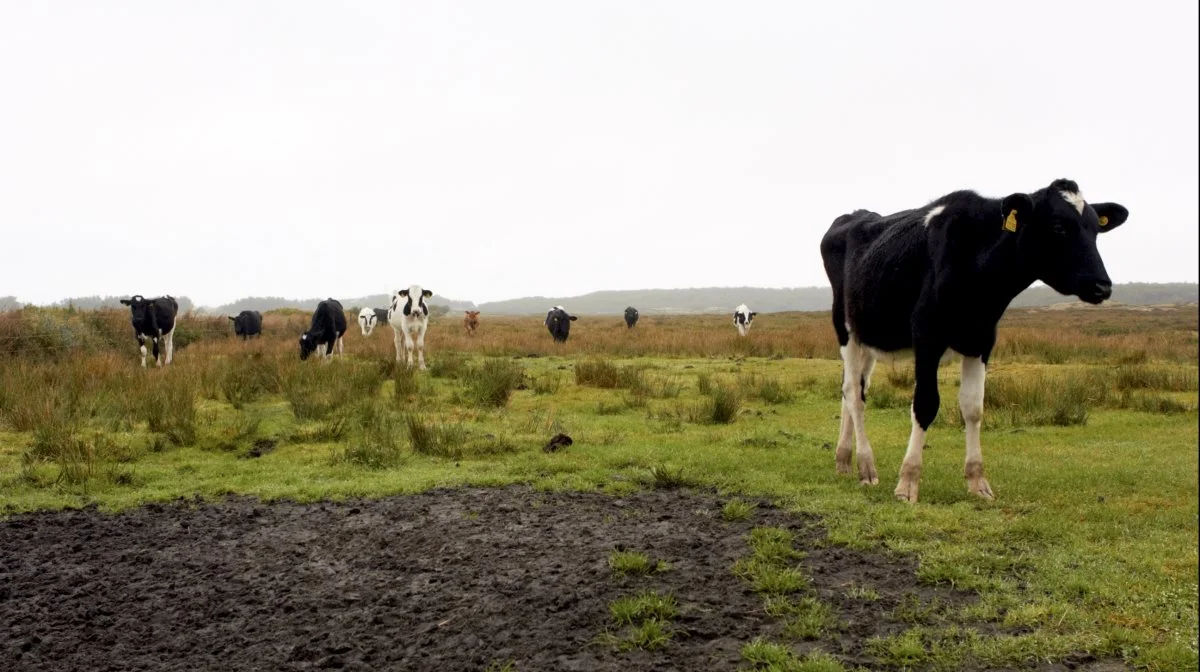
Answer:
[(1059, 230)]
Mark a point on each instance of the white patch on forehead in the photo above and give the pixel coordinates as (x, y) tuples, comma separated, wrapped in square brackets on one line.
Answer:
[(1075, 199), (933, 213)]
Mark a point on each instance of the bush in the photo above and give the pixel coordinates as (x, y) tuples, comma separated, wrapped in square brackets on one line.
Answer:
[(374, 442), (491, 384)]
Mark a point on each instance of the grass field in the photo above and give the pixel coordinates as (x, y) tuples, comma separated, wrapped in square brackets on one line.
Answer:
[(1090, 443)]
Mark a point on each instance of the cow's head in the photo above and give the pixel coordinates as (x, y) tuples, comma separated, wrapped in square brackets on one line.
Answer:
[(367, 320), (411, 302), (1056, 234), (307, 345), (138, 307)]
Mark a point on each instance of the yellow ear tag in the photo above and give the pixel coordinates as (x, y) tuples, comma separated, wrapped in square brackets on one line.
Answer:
[(1103, 221), (1010, 224)]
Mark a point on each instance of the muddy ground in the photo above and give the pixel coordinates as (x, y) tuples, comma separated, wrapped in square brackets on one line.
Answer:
[(446, 580)]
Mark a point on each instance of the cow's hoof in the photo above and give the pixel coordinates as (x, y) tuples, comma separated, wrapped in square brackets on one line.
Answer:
[(906, 491), (843, 461), (866, 472), (980, 488)]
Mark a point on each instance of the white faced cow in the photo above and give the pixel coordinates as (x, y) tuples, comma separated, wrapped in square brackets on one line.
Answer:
[(154, 319), (939, 278), (369, 318), (408, 314), (742, 319), (325, 331)]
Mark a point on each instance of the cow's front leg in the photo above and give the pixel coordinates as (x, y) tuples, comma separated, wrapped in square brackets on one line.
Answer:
[(156, 339), (421, 349), (408, 348), (923, 412), (970, 402), (398, 341), (170, 341), (142, 347)]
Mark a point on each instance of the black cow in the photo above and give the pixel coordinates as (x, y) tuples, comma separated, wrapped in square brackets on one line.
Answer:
[(631, 316), (327, 328), (939, 278), (247, 323), (154, 319), (559, 323)]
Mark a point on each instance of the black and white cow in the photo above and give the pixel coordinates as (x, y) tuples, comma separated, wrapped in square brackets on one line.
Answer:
[(938, 278), (154, 319), (325, 331), (631, 316), (369, 318), (247, 323), (559, 323), (742, 319), (408, 314)]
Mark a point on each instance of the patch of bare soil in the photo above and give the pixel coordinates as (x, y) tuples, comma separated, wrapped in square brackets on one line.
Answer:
[(456, 579)]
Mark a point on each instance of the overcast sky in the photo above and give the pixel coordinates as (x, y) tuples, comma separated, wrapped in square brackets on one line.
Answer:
[(494, 150)]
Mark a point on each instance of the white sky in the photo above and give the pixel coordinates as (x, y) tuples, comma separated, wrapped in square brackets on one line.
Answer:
[(492, 150)]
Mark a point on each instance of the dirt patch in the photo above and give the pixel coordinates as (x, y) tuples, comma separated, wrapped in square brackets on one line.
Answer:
[(448, 580)]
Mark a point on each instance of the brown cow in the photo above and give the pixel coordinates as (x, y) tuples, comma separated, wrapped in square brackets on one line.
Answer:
[(471, 321)]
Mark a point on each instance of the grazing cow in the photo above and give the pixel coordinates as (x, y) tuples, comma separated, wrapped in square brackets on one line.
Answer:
[(154, 319), (939, 278), (247, 323), (559, 323), (326, 330), (742, 319), (369, 318), (631, 316), (471, 321), (407, 314)]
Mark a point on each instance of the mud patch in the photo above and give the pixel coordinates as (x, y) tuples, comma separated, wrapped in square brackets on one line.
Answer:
[(448, 579)]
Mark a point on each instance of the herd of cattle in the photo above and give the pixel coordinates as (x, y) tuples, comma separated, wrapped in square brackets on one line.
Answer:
[(930, 280), (154, 320)]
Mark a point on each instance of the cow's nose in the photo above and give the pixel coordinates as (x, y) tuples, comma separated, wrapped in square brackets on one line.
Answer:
[(1103, 290)]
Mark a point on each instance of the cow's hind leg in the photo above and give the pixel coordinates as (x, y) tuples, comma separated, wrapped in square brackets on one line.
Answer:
[(970, 402), (858, 363), (923, 411)]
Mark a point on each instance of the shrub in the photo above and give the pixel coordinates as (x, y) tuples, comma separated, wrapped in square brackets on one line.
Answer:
[(373, 443), (491, 384)]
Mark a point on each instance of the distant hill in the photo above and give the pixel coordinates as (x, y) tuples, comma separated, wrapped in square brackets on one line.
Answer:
[(725, 299), (265, 303), (651, 301)]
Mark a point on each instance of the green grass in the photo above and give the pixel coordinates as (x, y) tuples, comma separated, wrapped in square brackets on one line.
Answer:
[(768, 656), (736, 509), (634, 563), (1089, 547)]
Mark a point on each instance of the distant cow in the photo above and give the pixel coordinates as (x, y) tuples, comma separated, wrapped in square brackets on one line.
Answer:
[(326, 330), (471, 321), (559, 323), (938, 278), (369, 318), (154, 319), (247, 323), (408, 314), (742, 319), (631, 316)]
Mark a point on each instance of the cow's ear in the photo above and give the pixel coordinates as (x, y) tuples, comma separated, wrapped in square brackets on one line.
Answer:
[(752, 315), (232, 318), (126, 302), (1013, 210), (427, 293), (1111, 215), (402, 292), (573, 318)]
